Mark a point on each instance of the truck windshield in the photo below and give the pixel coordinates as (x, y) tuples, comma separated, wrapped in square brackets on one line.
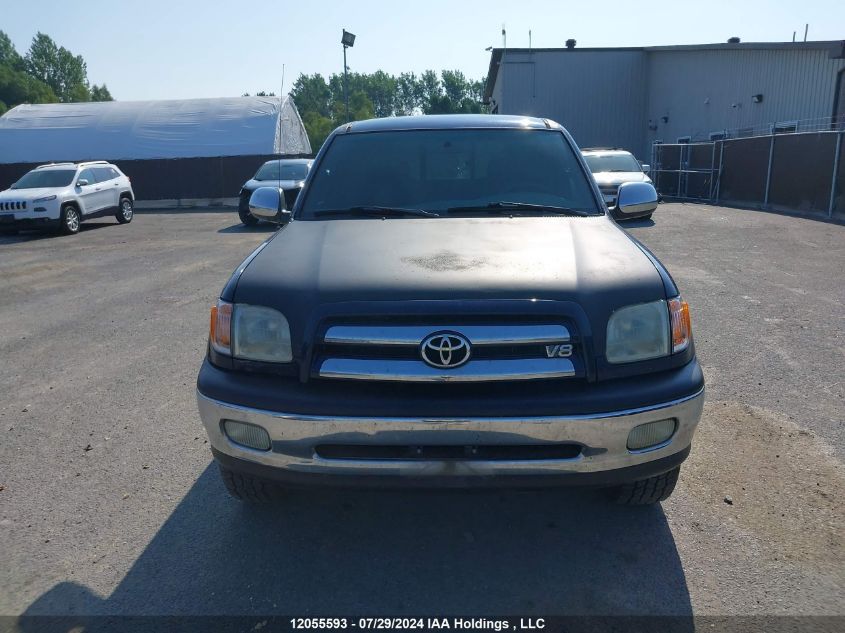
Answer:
[(599, 163), (449, 172), (276, 171), (45, 178)]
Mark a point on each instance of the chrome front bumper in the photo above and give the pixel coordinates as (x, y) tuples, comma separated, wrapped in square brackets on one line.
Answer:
[(604, 438)]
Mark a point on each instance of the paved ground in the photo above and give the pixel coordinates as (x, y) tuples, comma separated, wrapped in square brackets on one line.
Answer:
[(109, 502)]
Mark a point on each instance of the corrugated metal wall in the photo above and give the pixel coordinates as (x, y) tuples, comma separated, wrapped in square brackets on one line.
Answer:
[(704, 91), (610, 97), (598, 96)]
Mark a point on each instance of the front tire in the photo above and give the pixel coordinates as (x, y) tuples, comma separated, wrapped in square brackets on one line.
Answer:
[(247, 218), (647, 491), (70, 220), (126, 210), (246, 488)]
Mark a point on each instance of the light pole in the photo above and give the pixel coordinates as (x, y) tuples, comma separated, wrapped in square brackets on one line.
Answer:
[(348, 41)]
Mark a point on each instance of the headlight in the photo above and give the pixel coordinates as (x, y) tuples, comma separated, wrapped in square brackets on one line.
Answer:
[(638, 332), (45, 199), (648, 330), (250, 332)]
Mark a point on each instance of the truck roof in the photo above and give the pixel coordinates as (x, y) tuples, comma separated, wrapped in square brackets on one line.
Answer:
[(446, 122)]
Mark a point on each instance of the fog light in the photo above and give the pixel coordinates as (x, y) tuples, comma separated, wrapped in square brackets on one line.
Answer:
[(651, 434), (248, 435)]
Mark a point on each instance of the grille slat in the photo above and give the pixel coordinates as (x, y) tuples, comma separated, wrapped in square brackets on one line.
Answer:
[(477, 334)]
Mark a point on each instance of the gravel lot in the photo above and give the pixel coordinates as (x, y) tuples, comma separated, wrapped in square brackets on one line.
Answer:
[(109, 502)]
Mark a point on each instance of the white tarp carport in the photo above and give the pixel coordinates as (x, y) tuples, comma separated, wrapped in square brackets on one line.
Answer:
[(133, 130)]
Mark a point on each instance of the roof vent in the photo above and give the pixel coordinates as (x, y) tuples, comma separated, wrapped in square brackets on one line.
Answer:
[(570, 43), (734, 40)]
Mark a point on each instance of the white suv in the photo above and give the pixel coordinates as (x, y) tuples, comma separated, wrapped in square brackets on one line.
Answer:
[(62, 195)]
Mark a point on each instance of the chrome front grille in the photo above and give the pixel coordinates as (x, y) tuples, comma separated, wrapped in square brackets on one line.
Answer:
[(497, 352)]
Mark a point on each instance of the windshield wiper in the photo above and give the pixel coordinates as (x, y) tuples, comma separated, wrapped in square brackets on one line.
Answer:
[(377, 210), (505, 207)]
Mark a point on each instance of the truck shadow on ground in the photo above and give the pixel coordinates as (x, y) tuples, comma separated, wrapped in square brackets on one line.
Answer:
[(394, 553), (637, 223), (263, 227)]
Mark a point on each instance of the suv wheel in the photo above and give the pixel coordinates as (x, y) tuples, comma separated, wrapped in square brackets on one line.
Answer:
[(70, 220), (125, 211), (247, 218), (244, 487), (648, 491)]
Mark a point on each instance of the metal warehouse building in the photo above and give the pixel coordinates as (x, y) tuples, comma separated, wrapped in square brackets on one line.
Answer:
[(632, 97)]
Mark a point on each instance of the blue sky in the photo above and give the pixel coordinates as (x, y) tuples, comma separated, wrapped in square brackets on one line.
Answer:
[(157, 49)]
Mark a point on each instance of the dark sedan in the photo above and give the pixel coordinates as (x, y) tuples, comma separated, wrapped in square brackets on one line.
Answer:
[(287, 174)]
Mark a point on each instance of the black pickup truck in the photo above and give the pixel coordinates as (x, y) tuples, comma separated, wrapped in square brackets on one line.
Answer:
[(450, 304)]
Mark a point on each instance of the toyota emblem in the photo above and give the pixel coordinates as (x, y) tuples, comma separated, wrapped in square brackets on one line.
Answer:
[(445, 350)]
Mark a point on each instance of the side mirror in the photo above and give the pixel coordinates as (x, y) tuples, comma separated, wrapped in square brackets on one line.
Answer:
[(268, 203), (81, 182), (645, 167), (635, 198)]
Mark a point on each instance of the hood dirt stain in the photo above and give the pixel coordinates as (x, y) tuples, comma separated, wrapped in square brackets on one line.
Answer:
[(445, 260)]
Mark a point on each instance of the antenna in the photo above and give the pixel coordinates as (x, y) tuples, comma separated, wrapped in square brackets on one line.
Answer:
[(806, 28), (502, 64), (793, 37), (281, 106), (529, 39)]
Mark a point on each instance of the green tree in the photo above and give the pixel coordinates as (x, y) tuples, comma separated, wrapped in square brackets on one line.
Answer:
[(64, 72), (100, 93), (49, 73), (8, 55), (322, 106), (430, 92), (18, 87), (381, 90), (408, 94), (318, 127), (455, 85), (311, 94)]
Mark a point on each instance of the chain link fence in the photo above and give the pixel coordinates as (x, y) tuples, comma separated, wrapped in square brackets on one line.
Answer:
[(784, 171)]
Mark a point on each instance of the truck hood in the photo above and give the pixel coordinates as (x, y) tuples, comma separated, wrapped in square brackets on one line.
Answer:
[(609, 178), (587, 260)]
